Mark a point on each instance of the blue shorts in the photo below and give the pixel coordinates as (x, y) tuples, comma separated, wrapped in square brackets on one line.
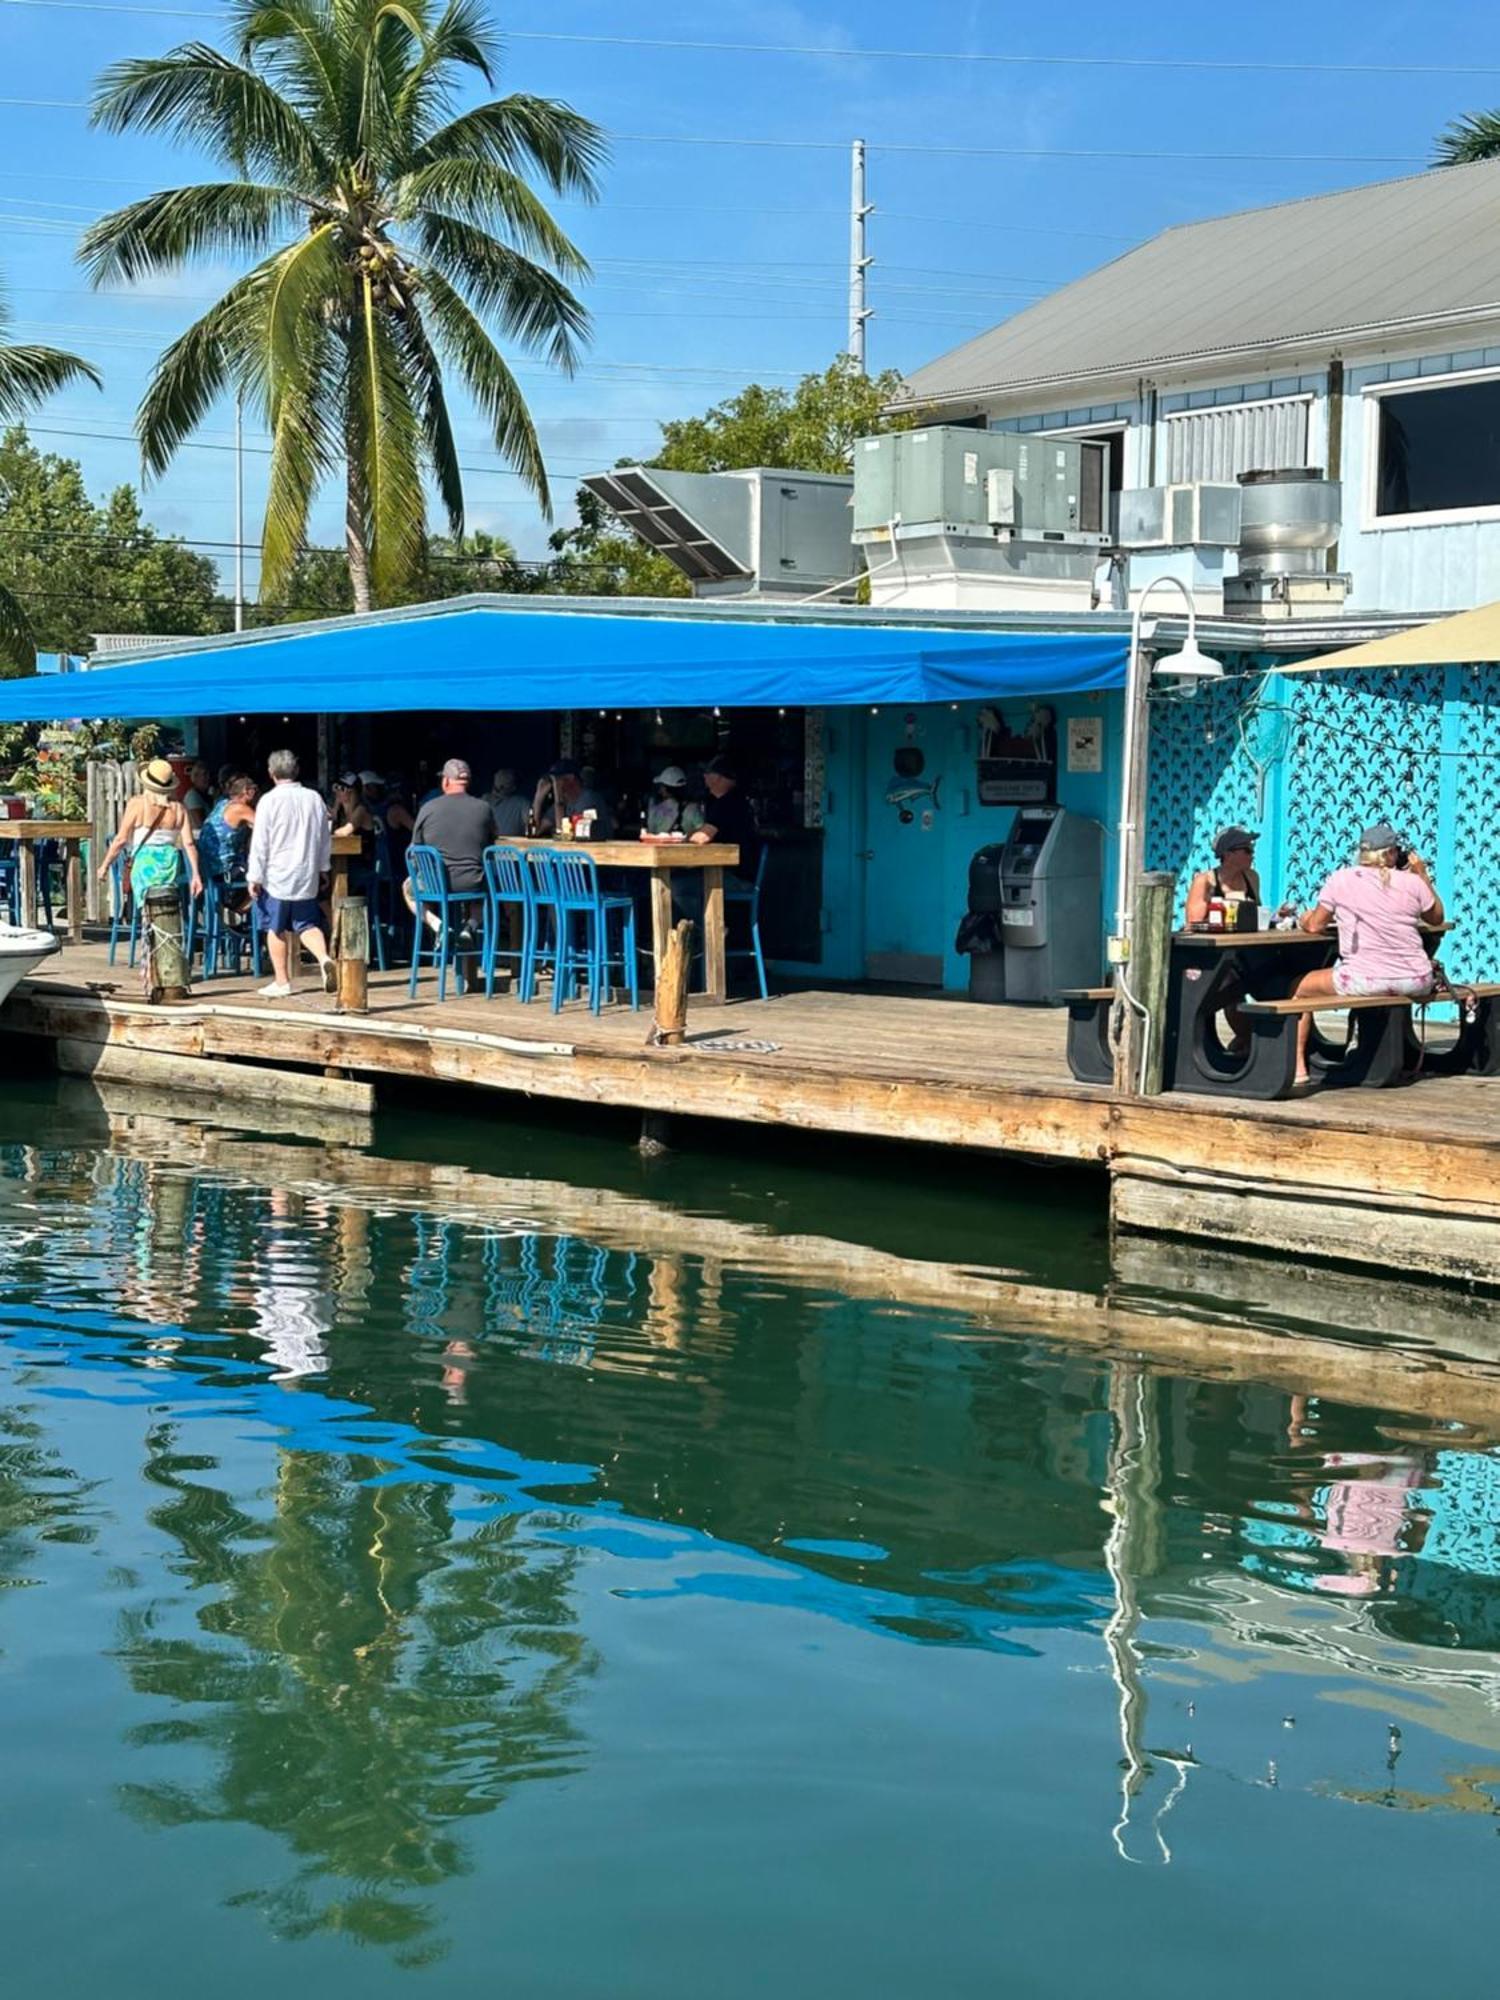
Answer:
[(288, 913)]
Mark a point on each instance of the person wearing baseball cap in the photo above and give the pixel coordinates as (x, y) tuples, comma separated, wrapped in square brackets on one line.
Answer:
[(672, 811), (1387, 913), (1233, 879)]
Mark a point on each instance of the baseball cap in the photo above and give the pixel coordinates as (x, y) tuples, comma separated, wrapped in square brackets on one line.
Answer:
[(1381, 835), (564, 767), (674, 775), (457, 768), (721, 767), (1231, 837)]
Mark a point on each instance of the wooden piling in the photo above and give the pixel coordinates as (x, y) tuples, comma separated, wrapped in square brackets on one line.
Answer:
[(351, 947), (670, 1025), (1155, 895)]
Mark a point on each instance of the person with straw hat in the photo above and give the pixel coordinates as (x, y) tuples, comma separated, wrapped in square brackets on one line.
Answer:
[(156, 829)]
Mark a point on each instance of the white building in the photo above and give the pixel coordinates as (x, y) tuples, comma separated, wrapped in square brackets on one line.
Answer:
[(1357, 332)]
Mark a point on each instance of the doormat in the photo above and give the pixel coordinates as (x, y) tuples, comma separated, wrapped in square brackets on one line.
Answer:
[(733, 1045)]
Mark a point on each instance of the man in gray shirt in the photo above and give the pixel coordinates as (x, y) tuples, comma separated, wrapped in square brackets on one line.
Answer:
[(509, 807), (460, 827)]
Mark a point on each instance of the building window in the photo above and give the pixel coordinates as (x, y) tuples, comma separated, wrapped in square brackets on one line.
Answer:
[(1439, 449), (1221, 443)]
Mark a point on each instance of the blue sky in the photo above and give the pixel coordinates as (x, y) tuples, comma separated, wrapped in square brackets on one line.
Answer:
[(719, 263)]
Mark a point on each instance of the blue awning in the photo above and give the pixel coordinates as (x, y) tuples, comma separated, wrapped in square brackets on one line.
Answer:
[(472, 656)]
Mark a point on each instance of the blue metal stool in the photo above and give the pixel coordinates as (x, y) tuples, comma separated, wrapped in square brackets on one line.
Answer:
[(431, 891), (507, 886), (739, 894), (579, 897)]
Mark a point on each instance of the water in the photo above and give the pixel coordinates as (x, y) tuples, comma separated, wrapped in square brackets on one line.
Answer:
[(417, 1580)]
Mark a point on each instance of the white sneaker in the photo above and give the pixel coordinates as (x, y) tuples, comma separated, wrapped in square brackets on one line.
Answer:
[(275, 992)]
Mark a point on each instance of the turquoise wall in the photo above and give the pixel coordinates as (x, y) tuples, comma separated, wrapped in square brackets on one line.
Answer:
[(1311, 760), (912, 891)]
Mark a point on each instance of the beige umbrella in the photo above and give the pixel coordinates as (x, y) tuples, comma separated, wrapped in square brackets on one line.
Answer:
[(1467, 639)]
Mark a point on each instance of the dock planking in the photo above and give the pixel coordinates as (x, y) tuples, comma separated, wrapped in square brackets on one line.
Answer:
[(1406, 1180)]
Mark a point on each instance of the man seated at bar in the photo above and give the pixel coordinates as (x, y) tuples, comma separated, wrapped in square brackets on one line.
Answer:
[(460, 827), (727, 815), (1381, 906), (563, 794), (507, 805), (224, 843)]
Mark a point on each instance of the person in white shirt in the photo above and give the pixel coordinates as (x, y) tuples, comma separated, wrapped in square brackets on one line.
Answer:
[(290, 855)]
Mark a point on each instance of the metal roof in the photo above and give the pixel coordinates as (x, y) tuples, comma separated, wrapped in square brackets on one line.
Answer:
[(1405, 254)]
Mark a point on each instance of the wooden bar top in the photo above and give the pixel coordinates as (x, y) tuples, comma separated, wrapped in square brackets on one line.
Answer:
[(662, 855), (45, 829)]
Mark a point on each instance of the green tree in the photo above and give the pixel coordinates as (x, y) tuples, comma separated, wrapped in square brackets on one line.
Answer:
[(319, 586), (810, 428), (379, 208), (78, 567), (1475, 136), (28, 375)]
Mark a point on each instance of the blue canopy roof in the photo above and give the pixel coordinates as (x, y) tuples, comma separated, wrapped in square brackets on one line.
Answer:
[(473, 655)]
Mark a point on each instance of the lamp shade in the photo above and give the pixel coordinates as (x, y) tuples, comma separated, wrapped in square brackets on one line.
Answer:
[(1189, 664)]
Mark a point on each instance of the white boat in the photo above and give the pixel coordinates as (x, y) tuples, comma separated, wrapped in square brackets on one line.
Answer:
[(21, 952)]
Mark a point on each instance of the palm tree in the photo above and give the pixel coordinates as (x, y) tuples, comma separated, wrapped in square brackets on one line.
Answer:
[(1475, 136), (396, 226), (28, 376)]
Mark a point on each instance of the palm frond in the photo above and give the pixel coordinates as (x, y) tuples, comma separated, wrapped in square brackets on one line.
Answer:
[(526, 134), (199, 95), (461, 38), (426, 375), (164, 230), (306, 450), (298, 49), (480, 191), (1475, 136), (389, 441), (489, 381), (533, 305), (28, 375)]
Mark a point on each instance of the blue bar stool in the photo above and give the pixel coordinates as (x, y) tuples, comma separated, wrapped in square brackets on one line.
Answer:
[(120, 902), (739, 894), (225, 945), (541, 882), (507, 886), (580, 898), (431, 891)]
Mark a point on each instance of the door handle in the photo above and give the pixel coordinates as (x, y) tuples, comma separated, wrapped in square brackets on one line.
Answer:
[(864, 854)]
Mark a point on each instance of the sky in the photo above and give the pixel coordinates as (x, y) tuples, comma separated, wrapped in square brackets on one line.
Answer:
[(720, 246)]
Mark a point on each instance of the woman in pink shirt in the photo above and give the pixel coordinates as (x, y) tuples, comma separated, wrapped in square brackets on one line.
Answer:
[(1380, 908)]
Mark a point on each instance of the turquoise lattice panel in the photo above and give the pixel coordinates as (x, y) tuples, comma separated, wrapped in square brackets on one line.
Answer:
[(1470, 860), (1362, 747), (1200, 778)]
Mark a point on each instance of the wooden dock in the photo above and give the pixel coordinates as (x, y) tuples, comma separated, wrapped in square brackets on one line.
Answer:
[(1406, 1180)]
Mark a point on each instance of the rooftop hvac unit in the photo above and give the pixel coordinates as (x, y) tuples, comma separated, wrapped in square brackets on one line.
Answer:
[(1033, 487), (1189, 516), (776, 533)]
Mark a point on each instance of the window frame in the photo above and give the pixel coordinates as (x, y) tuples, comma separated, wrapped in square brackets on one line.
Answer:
[(1374, 394)]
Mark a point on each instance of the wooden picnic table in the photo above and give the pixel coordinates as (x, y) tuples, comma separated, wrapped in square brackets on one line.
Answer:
[(660, 860), (28, 834)]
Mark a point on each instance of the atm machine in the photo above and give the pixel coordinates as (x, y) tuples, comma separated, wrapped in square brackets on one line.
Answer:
[(1051, 904)]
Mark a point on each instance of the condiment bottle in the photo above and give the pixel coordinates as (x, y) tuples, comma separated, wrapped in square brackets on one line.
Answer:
[(1216, 913)]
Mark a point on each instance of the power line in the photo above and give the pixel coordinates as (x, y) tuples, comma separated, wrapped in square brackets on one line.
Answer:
[(825, 52), (749, 141)]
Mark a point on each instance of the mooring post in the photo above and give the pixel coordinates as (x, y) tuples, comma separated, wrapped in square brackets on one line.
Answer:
[(1146, 975), (351, 947), (669, 1025), (656, 1135)]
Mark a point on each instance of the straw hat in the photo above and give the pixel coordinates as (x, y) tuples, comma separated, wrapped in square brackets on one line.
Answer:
[(159, 779)]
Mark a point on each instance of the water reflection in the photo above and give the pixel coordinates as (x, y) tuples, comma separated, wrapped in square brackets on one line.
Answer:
[(402, 1440)]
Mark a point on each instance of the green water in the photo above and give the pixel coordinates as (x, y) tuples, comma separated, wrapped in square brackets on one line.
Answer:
[(409, 1583)]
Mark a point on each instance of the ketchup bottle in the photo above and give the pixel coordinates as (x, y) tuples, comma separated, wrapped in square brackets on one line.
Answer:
[(1216, 913)]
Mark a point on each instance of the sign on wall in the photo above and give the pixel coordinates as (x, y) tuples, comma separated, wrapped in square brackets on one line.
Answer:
[(1085, 738)]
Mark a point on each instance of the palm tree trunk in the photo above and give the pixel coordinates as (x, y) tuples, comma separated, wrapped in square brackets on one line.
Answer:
[(356, 512), (356, 543)]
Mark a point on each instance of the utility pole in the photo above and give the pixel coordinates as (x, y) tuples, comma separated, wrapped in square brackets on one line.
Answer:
[(860, 212), (239, 513)]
